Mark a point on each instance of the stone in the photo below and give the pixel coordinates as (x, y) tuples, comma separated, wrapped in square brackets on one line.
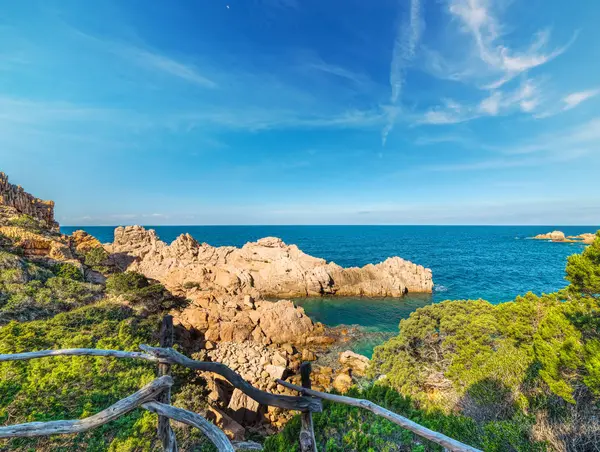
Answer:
[(84, 242), (555, 236), (245, 409), (231, 428), (342, 383), (279, 360), (357, 363), (275, 372), (209, 345), (308, 355)]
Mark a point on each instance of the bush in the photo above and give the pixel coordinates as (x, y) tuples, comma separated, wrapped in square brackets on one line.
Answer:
[(75, 386), (191, 285), (136, 289), (26, 222), (95, 258), (68, 271), (343, 428), (494, 363), (126, 283)]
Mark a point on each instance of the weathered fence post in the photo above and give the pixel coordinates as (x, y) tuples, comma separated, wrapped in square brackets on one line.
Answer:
[(165, 432), (308, 442)]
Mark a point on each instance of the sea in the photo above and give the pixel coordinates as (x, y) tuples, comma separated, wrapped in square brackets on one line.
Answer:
[(494, 263)]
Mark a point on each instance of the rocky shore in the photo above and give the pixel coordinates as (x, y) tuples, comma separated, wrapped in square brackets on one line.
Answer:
[(226, 316), (268, 266), (559, 236)]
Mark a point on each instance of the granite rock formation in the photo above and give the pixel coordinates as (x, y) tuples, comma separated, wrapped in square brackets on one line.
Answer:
[(14, 196), (559, 236), (268, 266)]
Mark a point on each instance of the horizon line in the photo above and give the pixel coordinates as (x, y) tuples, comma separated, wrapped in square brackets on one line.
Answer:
[(329, 225)]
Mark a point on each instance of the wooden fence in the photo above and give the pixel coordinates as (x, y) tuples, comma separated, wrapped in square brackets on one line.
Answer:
[(155, 397)]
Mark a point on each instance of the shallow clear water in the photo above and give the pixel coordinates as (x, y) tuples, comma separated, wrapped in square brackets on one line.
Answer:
[(495, 263)]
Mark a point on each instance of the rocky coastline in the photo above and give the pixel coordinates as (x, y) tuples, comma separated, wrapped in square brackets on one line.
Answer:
[(560, 237), (237, 309), (229, 319)]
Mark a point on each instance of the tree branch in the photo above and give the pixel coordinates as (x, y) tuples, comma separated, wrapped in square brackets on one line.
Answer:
[(213, 433), (282, 401), (123, 406), (78, 352)]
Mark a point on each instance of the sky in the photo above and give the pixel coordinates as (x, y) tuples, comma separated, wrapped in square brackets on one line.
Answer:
[(304, 111)]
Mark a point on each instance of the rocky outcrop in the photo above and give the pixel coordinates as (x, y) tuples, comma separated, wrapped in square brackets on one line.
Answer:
[(559, 236), (237, 318), (83, 242), (358, 364), (555, 236), (268, 266), (586, 238), (14, 196)]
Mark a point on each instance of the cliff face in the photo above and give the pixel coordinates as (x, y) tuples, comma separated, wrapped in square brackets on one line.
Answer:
[(14, 196), (268, 266)]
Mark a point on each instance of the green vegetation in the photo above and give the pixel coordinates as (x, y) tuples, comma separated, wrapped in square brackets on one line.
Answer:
[(29, 291), (191, 285), (46, 306), (536, 356), (341, 428), (26, 222), (73, 387), (95, 258), (521, 376), (139, 291)]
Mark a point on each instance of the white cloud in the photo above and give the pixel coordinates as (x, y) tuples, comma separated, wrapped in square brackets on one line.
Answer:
[(491, 104), (574, 99), (405, 44), (568, 102), (167, 65), (552, 148), (525, 98), (492, 63)]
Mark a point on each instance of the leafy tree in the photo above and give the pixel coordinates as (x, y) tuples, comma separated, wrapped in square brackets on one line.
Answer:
[(583, 270)]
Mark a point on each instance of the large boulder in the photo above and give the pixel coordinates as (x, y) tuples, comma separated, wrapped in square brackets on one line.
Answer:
[(555, 236), (358, 364)]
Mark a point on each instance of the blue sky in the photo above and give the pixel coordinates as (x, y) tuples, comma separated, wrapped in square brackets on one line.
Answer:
[(304, 112)]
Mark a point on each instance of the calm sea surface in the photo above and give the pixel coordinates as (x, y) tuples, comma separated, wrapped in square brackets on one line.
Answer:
[(495, 263)]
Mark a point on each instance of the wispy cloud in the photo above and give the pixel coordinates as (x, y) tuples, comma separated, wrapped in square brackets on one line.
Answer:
[(559, 147), (164, 64), (478, 19), (338, 71), (524, 99), (568, 102), (256, 119), (405, 44)]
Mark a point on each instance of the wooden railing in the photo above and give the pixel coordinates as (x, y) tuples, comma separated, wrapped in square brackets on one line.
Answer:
[(155, 397)]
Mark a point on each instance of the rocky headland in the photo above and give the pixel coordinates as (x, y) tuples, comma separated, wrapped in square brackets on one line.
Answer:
[(268, 266), (560, 237), (228, 315)]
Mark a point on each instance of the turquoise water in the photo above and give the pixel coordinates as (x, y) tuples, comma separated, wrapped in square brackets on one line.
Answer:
[(495, 263)]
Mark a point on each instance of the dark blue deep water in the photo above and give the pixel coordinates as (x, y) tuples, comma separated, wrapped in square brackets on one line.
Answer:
[(495, 263)]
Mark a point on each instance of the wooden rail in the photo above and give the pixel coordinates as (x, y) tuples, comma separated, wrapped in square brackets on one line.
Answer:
[(152, 396), (438, 438)]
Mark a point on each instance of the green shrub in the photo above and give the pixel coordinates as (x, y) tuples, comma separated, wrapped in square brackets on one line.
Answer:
[(26, 222), (74, 387), (136, 289), (191, 285), (343, 428), (68, 271), (95, 258)]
